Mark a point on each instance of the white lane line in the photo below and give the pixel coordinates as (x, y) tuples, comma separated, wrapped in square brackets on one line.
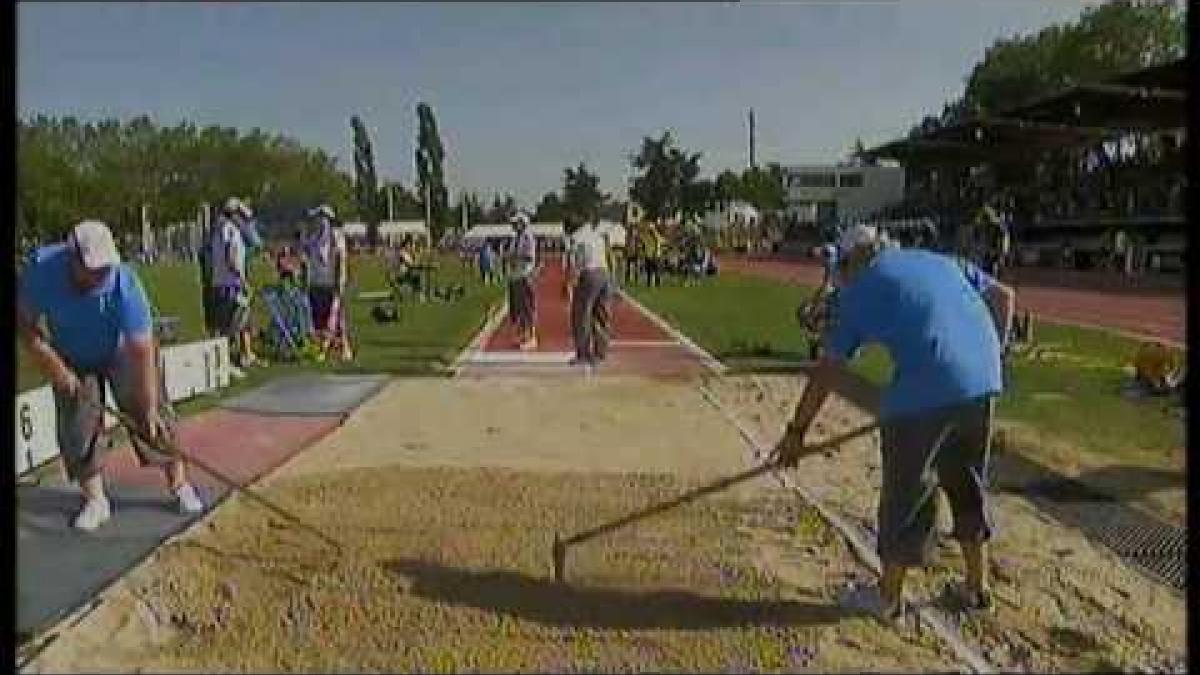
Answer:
[(706, 358), (476, 345), (517, 356)]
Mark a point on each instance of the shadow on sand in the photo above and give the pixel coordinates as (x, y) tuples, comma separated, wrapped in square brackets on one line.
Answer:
[(547, 602)]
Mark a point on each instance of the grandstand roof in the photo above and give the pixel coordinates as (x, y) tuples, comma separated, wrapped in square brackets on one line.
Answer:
[(1151, 98), (1146, 99)]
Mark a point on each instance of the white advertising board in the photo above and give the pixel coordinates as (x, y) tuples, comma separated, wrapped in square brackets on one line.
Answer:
[(190, 370)]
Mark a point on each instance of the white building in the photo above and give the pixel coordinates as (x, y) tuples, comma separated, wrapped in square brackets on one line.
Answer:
[(737, 214), (823, 193)]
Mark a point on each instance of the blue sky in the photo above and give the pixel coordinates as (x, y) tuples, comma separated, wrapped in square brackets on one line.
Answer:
[(522, 90)]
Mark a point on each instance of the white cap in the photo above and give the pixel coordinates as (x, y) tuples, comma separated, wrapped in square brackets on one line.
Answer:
[(520, 219), (235, 205), (856, 236), (95, 244), (323, 211)]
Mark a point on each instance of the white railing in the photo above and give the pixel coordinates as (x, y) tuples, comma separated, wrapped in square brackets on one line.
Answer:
[(190, 369)]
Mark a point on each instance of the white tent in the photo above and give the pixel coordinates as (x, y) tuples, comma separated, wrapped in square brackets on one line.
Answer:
[(738, 213), (552, 231), (389, 230), (395, 230)]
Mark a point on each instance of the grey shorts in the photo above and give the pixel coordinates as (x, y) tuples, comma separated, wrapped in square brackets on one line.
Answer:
[(232, 316), (82, 440), (947, 448), (521, 301)]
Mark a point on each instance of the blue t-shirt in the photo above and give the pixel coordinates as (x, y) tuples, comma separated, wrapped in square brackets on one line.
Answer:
[(85, 328), (929, 312)]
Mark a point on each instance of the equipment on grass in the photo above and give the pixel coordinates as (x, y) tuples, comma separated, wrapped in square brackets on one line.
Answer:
[(1158, 367), (291, 326), (168, 447), (559, 550)]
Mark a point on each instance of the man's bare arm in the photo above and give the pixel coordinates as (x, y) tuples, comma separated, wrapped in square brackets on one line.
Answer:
[(48, 361), (142, 357), (820, 382)]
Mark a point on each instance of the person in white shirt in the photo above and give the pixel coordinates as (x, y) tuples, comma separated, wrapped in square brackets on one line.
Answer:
[(589, 279), (327, 276), (521, 300), (231, 290)]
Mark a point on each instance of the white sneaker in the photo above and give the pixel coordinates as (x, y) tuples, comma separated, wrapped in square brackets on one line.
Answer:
[(95, 512), (237, 373), (187, 500)]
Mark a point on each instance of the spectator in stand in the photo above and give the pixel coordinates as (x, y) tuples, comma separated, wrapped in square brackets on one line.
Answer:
[(287, 266)]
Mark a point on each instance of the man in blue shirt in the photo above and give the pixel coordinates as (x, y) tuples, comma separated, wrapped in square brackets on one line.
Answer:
[(99, 329), (944, 323)]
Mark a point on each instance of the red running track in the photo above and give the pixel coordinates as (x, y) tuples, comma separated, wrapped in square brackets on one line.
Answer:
[(554, 317), (242, 446), (639, 346), (1159, 315)]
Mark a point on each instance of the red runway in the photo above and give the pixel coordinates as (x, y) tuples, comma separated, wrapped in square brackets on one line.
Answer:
[(1154, 313), (242, 446), (639, 345)]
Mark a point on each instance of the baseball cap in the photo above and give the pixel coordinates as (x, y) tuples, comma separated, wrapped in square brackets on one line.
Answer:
[(233, 205), (323, 211), (95, 244), (856, 236)]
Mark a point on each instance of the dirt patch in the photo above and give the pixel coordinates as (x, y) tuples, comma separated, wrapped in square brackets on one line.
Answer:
[(1066, 604), (448, 570)]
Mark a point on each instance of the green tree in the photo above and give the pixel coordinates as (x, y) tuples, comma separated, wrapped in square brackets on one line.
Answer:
[(366, 188), (727, 188), (431, 184), (550, 209), (582, 196), (665, 174), (763, 187), (1107, 40), (108, 169)]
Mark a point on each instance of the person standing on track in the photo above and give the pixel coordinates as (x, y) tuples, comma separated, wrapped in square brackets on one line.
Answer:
[(945, 324), (328, 263), (99, 330), (589, 279), (231, 290), (521, 299)]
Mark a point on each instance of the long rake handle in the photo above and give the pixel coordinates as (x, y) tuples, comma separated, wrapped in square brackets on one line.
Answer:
[(715, 486), (175, 451)]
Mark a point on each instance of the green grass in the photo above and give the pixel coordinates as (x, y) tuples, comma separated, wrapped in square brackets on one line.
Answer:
[(422, 342), (749, 322)]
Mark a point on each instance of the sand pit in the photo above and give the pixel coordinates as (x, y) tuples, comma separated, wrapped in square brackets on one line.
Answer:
[(447, 495), (447, 570)]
